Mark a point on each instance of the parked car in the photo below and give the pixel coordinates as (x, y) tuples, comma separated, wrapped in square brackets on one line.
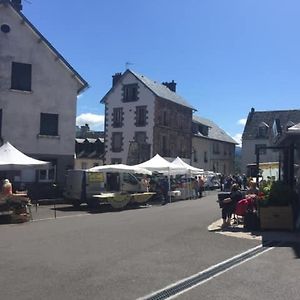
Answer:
[(212, 182)]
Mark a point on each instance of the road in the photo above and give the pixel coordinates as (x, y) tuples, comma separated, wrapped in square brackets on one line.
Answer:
[(132, 253)]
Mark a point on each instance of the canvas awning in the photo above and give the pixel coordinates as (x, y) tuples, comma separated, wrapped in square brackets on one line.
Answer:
[(120, 168), (13, 159), (193, 170), (161, 165)]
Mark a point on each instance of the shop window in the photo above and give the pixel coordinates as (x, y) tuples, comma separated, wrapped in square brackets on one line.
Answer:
[(48, 175), (49, 124), (21, 76)]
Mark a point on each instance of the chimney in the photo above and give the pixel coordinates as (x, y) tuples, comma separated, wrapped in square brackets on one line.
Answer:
[(116, 78), (17, 4), (171, 85)]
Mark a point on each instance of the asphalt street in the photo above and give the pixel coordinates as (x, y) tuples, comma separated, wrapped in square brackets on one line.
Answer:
[(132, 253)]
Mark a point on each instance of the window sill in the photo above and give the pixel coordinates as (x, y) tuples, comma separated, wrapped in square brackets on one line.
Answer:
[(21, 91), (43, 136)]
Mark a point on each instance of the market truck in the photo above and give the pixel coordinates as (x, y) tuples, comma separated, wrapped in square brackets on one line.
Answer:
[(94, 188)]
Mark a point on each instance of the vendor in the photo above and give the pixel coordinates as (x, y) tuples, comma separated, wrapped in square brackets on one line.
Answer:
[(6, 187)]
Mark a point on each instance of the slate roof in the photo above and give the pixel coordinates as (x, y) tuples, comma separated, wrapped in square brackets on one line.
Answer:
[(156, 88), (83, 83), (214, 132), (257, 117)]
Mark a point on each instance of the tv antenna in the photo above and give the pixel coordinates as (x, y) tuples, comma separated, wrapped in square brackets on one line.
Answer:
[(127, 64)]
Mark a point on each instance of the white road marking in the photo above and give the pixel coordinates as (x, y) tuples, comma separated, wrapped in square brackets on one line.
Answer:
[(207, 270)]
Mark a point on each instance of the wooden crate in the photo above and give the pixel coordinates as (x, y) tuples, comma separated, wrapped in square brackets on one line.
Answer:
[(276, 217)]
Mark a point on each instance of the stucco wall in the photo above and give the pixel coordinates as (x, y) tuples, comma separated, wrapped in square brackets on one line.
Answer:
[(223, 161), (53, 91), (248, 153)]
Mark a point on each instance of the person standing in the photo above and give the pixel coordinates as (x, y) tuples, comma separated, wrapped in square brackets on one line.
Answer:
[(164, 188), (201, 186)]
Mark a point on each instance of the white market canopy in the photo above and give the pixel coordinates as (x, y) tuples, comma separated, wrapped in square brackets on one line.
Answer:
[(180, 163), (120, 168), (13, 159), (161, 165)]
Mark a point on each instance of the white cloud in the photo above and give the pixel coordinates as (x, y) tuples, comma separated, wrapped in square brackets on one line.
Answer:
[(242, 121), (238, 138), (95, 122)]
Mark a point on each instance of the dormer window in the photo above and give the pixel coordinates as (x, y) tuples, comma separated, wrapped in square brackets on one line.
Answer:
[(289, 124), (263, 129), (130, 92)]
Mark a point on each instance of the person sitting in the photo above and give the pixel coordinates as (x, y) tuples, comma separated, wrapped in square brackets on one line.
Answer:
[(252, 190), (229, 205)]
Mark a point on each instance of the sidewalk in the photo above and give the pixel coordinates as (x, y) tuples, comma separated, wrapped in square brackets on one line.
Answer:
[(238, 231)]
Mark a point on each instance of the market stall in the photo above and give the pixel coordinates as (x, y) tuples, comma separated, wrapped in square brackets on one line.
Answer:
[(15, 207)]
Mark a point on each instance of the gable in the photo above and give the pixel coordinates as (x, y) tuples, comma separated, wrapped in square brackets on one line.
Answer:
[(20, 29), (257, 118), (157, 89), (214, 131)]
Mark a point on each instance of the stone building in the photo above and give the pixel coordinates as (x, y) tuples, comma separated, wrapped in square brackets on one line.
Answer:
[(144, 117), (213, 149), (259, 132)]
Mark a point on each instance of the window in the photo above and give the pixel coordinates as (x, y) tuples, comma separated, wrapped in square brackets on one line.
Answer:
[(84, 165), (0, 123), (164, 146), (140, 137), (49, 124), (21, 76), (116, 161), (205, 157), (140, 116), (195, 156), (130, 92), (165, 118), (48, 175), (118, 117), (117, 141), (261, 151), (263, 130), (216, 149)]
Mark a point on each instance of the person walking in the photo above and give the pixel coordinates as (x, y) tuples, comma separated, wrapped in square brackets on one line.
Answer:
[(164, 188)]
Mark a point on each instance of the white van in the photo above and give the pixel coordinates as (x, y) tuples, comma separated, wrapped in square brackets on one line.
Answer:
[(82, 186)]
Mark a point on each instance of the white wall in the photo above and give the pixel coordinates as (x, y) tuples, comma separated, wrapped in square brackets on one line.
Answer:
[(248, 153), (53, 91), (114, 100)]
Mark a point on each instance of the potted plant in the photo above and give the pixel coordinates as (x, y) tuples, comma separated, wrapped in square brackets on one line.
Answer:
[(275, 206)]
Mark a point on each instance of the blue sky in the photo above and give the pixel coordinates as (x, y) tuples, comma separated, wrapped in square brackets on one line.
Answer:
[(226, 56)]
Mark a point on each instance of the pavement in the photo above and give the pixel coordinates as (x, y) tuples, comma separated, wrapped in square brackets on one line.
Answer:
[(239, 231)]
